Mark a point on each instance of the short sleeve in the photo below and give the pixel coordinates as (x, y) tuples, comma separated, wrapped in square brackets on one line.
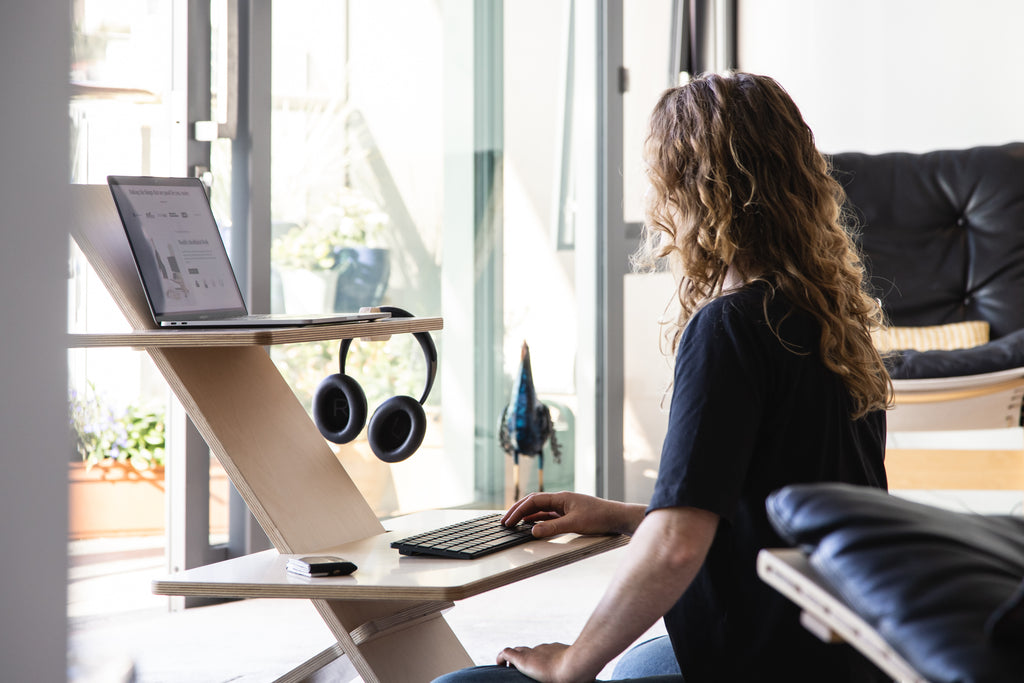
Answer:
[(717, 401)]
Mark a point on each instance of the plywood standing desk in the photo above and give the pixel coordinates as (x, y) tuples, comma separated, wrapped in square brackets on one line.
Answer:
[(386, 617)]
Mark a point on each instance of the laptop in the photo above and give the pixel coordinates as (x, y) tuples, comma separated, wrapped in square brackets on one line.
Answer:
[(182, 261)]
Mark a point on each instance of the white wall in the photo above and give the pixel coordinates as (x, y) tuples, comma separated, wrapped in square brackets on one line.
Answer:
[(893, 75), (34, 444), (868, 75)]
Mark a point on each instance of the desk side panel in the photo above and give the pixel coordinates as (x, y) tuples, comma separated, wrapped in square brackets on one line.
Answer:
[(415, 652), (97, 229), (268, 445)]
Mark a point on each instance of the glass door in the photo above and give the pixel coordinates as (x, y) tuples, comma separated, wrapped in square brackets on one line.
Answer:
[(647, 297), (134, 78), (418, 154), (127, 117), (423, 156)]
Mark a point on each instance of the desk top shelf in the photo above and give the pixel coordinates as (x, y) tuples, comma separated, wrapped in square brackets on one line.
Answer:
[(168, 338)]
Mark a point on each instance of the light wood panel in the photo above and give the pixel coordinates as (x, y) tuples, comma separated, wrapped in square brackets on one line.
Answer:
[(183, 338), (825, 613), (97, 229), (276, 458), (284, 470), (969, 404), (959, 394), (383, 574), (415, 652), (954, 469), (387, 614)]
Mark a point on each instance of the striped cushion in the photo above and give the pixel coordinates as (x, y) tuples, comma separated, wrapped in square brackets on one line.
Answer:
[(942, 337)]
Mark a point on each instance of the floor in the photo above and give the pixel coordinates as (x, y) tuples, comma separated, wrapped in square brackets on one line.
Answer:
[(119, 631)]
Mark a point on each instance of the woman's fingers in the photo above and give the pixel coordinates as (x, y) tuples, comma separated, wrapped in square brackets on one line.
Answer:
[(544, 504)]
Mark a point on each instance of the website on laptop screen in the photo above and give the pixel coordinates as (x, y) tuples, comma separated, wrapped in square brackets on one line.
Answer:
[(177, 245)]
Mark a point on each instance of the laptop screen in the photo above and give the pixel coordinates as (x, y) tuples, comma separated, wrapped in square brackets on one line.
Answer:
[(177, 246)]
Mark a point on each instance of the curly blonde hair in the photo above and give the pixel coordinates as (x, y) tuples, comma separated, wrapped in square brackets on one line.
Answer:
[(738, 186)]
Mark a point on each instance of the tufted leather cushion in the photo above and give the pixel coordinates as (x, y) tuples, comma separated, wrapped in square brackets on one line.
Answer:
[(942, 588), (942, 233)]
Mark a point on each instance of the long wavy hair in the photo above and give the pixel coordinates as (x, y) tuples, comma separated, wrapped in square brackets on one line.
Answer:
[(738, 187)]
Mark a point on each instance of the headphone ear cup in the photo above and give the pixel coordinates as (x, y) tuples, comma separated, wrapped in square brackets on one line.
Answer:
[(339, 408), (397, 428)]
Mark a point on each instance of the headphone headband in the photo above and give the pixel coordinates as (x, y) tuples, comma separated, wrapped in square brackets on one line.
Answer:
[(426, 344)]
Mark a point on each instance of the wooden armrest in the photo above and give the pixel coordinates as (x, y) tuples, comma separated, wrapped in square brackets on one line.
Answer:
[(789, 572), (912, 397), (986, 401)]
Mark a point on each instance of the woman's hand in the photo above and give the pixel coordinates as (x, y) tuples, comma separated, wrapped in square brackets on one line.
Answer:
[(548, 663), (567, 512)]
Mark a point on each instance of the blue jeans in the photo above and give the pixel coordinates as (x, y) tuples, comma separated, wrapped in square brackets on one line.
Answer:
[(650, 662)]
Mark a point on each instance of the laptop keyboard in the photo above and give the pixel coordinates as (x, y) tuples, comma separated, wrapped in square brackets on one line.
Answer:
[(466, 540)]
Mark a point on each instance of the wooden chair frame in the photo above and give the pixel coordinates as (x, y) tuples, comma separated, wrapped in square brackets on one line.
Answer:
[(951, 405)]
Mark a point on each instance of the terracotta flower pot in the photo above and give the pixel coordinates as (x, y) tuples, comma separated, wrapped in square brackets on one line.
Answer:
[(115, 499)]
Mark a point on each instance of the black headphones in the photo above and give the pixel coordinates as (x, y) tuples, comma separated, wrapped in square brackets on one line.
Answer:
[(397, 427)]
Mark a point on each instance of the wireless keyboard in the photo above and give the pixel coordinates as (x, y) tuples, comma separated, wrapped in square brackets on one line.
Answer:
[(466, 540)]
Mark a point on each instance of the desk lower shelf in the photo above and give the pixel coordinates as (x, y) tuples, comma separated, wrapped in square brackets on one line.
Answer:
[(384, 574)]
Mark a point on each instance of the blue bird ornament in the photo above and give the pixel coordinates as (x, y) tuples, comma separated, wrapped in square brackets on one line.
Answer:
[(526, 423)]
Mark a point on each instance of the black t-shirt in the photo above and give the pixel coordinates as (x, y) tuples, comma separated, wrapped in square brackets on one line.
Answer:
[(751, 412)]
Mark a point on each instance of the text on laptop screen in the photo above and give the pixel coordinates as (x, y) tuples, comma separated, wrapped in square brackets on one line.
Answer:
[(185, 268)]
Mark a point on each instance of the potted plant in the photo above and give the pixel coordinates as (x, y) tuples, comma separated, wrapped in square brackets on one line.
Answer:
[(116, 480), (334, 262), (133, 438)]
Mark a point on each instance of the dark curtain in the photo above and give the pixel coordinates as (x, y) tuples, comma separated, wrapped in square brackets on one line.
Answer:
[(703, 39)]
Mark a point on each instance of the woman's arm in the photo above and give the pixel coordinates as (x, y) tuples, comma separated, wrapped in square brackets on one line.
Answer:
[(665, 554)]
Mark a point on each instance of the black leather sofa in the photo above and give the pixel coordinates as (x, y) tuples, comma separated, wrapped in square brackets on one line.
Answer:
[(944, 589), (943, 239)]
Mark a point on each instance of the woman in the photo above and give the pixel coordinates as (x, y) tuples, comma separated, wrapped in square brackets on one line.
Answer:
[(776, 382)]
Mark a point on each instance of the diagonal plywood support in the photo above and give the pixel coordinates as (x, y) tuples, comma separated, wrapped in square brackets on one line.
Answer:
[(417, 647)]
